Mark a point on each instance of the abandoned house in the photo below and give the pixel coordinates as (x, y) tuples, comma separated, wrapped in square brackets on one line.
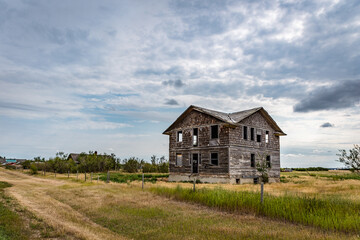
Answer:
[(218, 147)]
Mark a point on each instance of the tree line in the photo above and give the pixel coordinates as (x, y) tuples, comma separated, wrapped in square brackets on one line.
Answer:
[(93, 162)]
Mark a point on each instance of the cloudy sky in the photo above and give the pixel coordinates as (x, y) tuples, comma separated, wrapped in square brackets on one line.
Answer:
[(111, 76)]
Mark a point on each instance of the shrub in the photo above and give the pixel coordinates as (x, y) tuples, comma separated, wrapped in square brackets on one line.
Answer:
[(33, 169)]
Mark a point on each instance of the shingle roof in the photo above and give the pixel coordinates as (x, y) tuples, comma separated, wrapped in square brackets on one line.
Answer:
[(231, 118)]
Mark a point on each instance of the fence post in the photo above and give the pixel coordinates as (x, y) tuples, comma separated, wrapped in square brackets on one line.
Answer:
[(68, 174), (85, 176), (108, 177), (194, 185), (98, 179), (55, 173), (262, 193), (77, 174), (142, 181), (91, 177)]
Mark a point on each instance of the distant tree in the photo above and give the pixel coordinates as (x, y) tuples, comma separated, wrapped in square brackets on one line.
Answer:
[(26, 164), (352, 160), (262, 167), (132, 164), (33, 168)]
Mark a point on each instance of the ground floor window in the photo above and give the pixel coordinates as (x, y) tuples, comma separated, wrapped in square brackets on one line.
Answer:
[(214, 158), (268, 161), (178, 159)]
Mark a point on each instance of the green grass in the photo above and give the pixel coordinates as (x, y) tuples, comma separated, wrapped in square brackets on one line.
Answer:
[(11, 224), (328, 214), (124, 178)]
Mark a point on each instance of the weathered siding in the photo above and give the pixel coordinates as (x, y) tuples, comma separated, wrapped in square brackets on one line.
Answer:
[(206, 145), (240, 162), (258, 122)]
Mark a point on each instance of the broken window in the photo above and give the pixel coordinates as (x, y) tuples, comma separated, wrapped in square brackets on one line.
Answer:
[(252, 134), (214, 131), (252, 164), (267, 137), (268, 161), (214, 159), (256, 180), (178, 159), (179, 136), (195, 136), (258, 137), (245, 133)]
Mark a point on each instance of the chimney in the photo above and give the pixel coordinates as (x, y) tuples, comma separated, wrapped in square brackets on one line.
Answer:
[(95, 152)]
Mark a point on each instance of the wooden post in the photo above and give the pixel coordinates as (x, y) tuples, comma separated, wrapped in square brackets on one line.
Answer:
[(68, 174), (77, 174), (143, 181), (262, 193), (108, 177), (98, 179), (194, 184), (55, 173), (91, 177), (85, 176)]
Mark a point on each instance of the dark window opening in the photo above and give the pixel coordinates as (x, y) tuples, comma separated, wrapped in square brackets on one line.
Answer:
[(258, 138), (179, 136), (256, 180), (237, 181), (252, 160), (268, 161), (267, 137), (214, 131), (245, 133), (252, 134), (214, 159), (195, 136)]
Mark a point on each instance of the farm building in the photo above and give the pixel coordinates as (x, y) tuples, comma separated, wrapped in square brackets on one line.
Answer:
[(213, 146)]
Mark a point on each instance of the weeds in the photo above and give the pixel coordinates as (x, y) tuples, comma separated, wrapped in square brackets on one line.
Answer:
[(124, 178), (329, 214)]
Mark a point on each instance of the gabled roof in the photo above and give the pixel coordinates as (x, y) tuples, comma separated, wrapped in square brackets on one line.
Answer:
[(230, 118)]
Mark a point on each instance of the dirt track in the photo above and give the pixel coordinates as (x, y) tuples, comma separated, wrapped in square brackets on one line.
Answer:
[(31, 192)]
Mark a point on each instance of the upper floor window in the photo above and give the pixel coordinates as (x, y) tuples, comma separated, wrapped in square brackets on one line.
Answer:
[(245, 133), (195, 136), (258, 137), (179, 136), (215, 158), (267, 137), (252, 134), (214, 131), (252, 160), (178, 159)]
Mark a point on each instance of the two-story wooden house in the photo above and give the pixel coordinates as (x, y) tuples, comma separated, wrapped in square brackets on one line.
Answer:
[(222, 147)]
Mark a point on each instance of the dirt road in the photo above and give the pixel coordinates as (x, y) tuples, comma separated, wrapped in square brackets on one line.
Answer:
[(32, 193)]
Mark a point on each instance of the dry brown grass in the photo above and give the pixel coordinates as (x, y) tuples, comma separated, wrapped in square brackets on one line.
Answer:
[(118, 211), (299, 184)]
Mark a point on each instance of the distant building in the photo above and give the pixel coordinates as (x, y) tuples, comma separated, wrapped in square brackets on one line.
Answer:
[(12, 161)]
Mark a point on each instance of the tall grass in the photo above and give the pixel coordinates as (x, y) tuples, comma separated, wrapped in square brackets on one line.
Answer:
[(11, 224), (124, 178), (328, 214)]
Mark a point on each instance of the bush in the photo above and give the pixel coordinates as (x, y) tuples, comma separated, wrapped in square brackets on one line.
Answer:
[(33, 169), (132, 165)]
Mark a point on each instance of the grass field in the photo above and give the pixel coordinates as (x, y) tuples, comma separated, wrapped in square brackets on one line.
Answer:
[(92, 210)]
